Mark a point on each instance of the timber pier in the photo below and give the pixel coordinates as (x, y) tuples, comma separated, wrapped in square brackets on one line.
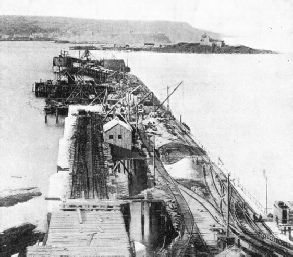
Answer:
[(118, 146)]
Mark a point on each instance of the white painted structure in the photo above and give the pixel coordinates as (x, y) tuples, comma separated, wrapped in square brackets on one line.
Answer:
[(119, 133)]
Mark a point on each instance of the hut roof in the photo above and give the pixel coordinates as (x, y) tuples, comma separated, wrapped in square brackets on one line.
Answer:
[(114, 122)]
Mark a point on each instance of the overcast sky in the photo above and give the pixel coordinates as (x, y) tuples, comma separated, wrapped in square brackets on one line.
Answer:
[(257, 23)]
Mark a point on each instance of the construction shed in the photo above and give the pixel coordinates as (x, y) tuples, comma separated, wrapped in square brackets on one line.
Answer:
[(119, 133)]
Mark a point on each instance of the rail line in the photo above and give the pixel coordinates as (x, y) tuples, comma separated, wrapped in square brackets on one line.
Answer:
[(263, 238), (269, 242), (190, 229)]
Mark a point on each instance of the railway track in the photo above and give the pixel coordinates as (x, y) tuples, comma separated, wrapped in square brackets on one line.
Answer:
[(190, 234), (265, 240)]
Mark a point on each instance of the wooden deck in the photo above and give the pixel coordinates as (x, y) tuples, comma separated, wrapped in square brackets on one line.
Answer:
[(85, 233)]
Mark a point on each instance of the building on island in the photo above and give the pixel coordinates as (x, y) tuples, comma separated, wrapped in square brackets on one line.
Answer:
[(208, 41)]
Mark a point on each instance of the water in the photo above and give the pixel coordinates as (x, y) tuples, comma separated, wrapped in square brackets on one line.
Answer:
[(238, 106)]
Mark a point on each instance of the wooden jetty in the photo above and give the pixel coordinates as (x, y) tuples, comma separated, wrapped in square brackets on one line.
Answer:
[(85, 233), (87, 221)]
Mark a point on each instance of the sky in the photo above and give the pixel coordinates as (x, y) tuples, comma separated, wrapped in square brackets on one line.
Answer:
[(256, 23)]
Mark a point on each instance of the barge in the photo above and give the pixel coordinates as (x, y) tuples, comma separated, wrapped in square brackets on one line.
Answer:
[(121, 145)]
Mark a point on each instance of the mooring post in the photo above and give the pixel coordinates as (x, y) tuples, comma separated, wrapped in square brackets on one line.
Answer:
[(142, 217)]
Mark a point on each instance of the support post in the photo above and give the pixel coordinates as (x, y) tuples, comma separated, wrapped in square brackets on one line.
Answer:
[(46, 118), (228, 208), (266, 195), (154, 156), (142, 217), (150, 216), (136, 118), (168, 98), (57, 114)]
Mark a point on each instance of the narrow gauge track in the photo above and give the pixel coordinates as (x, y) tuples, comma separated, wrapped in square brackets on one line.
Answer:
[(279, 245), (260, 239), (234, 228), (89, 171), (203, 201), (215, 199), (247, 233), (191, 233)]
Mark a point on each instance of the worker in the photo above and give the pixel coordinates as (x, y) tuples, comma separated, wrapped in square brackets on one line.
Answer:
[(277, 220), (254, 217)]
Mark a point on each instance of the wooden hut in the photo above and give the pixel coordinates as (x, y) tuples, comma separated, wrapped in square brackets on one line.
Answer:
[(119, 133), (284, 212)]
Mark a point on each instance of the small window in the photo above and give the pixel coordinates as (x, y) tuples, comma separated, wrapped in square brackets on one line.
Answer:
[(119, 136), (111, 137)]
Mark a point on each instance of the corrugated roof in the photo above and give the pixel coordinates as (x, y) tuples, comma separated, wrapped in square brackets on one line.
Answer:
[(114, 122)]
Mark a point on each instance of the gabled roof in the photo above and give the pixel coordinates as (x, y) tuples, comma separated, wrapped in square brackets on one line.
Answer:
[(114, 122)]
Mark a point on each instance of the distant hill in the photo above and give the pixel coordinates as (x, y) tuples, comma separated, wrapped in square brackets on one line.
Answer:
[(104, 31)]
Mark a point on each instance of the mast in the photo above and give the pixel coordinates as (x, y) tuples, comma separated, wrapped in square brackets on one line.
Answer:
[(266, 178), (168, 98)]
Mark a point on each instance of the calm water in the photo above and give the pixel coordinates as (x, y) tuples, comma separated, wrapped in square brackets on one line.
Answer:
[(239, 107)]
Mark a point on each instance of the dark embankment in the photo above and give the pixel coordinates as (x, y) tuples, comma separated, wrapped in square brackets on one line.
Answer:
[(12, 197), (205, 49)]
